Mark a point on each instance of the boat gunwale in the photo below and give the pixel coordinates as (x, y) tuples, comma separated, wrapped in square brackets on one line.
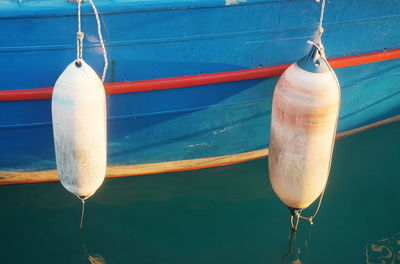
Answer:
[(201, 79)]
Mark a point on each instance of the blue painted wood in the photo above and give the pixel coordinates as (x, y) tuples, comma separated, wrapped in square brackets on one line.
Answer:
[(158, 39)]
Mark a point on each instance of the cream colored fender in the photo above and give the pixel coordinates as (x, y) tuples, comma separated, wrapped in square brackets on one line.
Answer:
[(79, 129), (305, 109)]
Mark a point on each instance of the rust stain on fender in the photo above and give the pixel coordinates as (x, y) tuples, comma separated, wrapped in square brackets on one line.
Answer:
[(304, 115)]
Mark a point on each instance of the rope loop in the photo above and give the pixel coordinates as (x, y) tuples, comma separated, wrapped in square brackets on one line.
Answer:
[(96, 13), (80, 35), (319, 46), (320, 29), (309, 218)]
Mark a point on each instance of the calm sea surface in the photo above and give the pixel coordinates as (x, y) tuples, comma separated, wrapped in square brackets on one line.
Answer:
[(219, 215)]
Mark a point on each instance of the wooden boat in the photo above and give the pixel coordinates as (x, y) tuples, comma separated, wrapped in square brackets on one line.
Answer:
[(190, 81)]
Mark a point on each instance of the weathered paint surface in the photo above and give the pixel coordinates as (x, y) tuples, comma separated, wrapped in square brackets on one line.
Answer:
[(234, 2), (185, 38), (18, 177), (304, 117), (79, 128)]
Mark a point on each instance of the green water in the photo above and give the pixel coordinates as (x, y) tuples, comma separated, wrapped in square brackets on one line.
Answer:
[(218, 215)]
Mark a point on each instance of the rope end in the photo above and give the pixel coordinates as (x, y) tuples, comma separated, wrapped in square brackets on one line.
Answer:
[(82, 198)]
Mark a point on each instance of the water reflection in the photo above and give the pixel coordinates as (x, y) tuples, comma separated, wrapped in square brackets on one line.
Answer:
[(226, 215), (90, 258), (96, 259), (384, 251), (298, 247)]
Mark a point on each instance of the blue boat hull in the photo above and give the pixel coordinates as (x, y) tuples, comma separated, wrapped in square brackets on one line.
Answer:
[(165, 39)]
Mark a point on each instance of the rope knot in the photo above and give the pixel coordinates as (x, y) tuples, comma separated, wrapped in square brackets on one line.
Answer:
[(320, 30), (80, 35), (319, 46), (297, 213)]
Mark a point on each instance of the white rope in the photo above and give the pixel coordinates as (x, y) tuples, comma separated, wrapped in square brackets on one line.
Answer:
[(318, 44), (103, 76), (298, 216), (310, 218), (321, 18), (83, 210), (79, 36), (320, 29), (298, 213)]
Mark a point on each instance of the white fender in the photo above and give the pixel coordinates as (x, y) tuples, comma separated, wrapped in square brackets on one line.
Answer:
[(305, 109), (79, 129)]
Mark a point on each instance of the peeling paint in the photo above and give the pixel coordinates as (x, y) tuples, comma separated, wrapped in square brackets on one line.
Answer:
[(197, 145), (221, 131), (234, 2)]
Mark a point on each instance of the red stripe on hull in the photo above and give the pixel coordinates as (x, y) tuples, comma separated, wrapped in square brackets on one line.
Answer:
[(203, 79)]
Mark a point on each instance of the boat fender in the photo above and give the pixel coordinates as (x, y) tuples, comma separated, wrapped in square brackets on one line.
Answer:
[(304, 117), (79, 129)]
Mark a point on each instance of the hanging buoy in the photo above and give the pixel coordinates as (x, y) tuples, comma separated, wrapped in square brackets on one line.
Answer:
[(304, 116), (305, 109), (79, 122), (79, 128)]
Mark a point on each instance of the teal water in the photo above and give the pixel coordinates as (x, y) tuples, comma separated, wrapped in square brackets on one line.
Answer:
[(219, 215)]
